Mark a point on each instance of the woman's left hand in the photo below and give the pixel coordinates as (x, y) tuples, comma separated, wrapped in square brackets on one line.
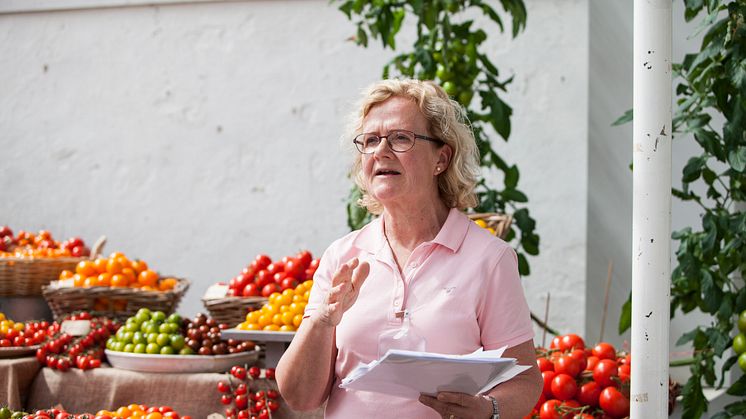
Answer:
[(451, 405)]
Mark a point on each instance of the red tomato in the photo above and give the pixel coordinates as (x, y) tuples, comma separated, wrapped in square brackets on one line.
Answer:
[(241, 401), (604, 371), (624, 373), (251, 290), (544, 364), (542, 399), (294, 268), (171, 415), (275, 267), (564, 387), (592, 362), (566, 364), (604, 351), (571, 341), (556, 343), (613, 403), (548, 376), (279, 276), (262, 261), (269, 289), (165, 409), (579, 356), (314, 264), (588, 394), (305, 258), (263, 278), (551, 410), (582, 416), (288, 283)]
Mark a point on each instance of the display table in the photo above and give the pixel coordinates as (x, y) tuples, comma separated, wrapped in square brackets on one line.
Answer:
[(108, 388), (16, 376)]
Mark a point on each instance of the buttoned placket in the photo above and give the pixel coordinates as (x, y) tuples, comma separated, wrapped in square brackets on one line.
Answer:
[(402, 279)]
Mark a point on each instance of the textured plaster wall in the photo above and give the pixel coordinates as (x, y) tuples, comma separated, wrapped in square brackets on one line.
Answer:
[(195, 136)]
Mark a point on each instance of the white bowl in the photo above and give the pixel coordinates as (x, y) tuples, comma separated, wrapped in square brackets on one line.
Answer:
[(179, 363)]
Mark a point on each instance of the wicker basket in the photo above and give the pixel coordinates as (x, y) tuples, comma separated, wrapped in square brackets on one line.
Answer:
[(232, 310), (114, 302), (498, 222), (26, 276)]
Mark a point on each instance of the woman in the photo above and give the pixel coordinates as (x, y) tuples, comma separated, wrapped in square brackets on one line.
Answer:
[(417, 166)]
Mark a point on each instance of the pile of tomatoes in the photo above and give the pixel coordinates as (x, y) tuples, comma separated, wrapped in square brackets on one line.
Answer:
[(244, 401), (117, 271), (63, 351), (263, 277), (582, 383), (41, 244), (131, 411), (17, 334)]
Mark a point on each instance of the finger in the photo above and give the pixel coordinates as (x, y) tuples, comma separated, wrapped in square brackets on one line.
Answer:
[(432, 403), (460, 399), (359, 276), (344, 272)]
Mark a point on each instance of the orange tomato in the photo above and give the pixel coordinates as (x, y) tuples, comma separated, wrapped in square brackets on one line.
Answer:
[(118, 280), (78, 280), (129, 274), (90, 281), (154, 415), (85, 268), (66, 274), (139, 266), (167, 284), (115, 255), (104, 280), (147, 277), (123, 412), (100, 265), (114, 266), (125, 262)]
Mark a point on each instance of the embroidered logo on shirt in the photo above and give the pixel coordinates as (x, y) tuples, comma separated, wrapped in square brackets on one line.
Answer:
[(449, 290)]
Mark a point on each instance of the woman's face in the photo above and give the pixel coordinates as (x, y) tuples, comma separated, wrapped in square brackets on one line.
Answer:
[(407, 177)]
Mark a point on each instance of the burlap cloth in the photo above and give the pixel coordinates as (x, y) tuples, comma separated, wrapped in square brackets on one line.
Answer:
[(108, 388), (15, 378)]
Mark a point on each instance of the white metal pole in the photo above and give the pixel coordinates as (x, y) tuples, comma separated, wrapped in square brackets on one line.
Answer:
[(651, 208)]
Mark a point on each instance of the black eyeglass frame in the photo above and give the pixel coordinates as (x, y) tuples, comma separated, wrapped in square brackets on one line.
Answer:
[(358, 144)]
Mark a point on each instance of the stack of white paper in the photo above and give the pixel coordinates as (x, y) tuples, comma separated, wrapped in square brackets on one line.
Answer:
[(410, 373)]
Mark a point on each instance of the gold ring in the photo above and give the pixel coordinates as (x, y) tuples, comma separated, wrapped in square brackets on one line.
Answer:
[(452, 417)]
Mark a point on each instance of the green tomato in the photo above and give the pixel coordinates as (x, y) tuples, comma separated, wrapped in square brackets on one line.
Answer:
[(139, 348), (18, 415), (130, 347), (152, 337), (742, 322), (5, 413), (164, 328), (158, 316), (174, 318), (739, 343), (110, 342), (177, 342), (139, 337), (167, 350), (442, 73), (118, 347), (153, 348), (186, 351), (742, 361), (131, 327), (163, 339), (465, 97)]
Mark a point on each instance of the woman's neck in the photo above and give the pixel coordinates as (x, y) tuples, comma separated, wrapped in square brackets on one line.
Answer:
[(407, 228)]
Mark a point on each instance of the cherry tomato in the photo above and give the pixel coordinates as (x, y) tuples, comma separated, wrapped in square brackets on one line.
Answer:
[(613, 402), (571, 341), (551, 410), (263, 261), (592, 362), (223, 387), (566, 364), (544, 364), (624, 371), (255, 372), (604, 371), (548, 376), (564, 387), (604, 350), (588, 394), (580, 356)]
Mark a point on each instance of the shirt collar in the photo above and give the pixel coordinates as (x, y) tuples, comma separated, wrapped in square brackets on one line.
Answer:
[(451, 235)]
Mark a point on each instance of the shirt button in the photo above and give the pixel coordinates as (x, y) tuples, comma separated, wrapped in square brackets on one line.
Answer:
[(413, 265), (396, 302)]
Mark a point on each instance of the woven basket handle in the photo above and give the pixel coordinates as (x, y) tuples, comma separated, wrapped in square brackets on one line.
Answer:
[(98, 247)]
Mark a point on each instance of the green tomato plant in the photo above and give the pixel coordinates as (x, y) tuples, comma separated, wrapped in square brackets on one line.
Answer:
[(448, 48), (711, 86)]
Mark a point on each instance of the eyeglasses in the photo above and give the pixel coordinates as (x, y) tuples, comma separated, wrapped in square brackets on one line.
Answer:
[(399, 140)]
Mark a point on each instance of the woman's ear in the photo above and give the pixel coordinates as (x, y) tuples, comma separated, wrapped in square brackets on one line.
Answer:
[(444, 157)]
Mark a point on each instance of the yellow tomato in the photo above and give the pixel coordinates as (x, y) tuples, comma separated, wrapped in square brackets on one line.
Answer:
[(271, 328), (277, 319), (297, 319), (285, 299), (264, 320), (253, 326), (287, 328), (287, 317)]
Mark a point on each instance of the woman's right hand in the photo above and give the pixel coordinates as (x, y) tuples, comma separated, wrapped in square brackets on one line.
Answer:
[(346, 284)]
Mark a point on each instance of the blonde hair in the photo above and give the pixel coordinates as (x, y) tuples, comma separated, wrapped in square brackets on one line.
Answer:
[(446, 120)]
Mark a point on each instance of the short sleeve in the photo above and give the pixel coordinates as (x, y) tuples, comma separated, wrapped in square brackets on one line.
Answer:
[(503, 314), (322, 281)]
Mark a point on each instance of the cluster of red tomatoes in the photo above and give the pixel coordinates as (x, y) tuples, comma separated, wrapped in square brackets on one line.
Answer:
[(582, 383), (28, 334), (64, 351), (42, 244), (263, 276), (245, 402)]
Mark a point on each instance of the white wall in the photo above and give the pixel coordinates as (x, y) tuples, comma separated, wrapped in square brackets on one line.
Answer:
[(195, 136)]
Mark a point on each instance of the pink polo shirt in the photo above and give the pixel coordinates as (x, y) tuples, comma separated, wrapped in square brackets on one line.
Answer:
[(462, 290)]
